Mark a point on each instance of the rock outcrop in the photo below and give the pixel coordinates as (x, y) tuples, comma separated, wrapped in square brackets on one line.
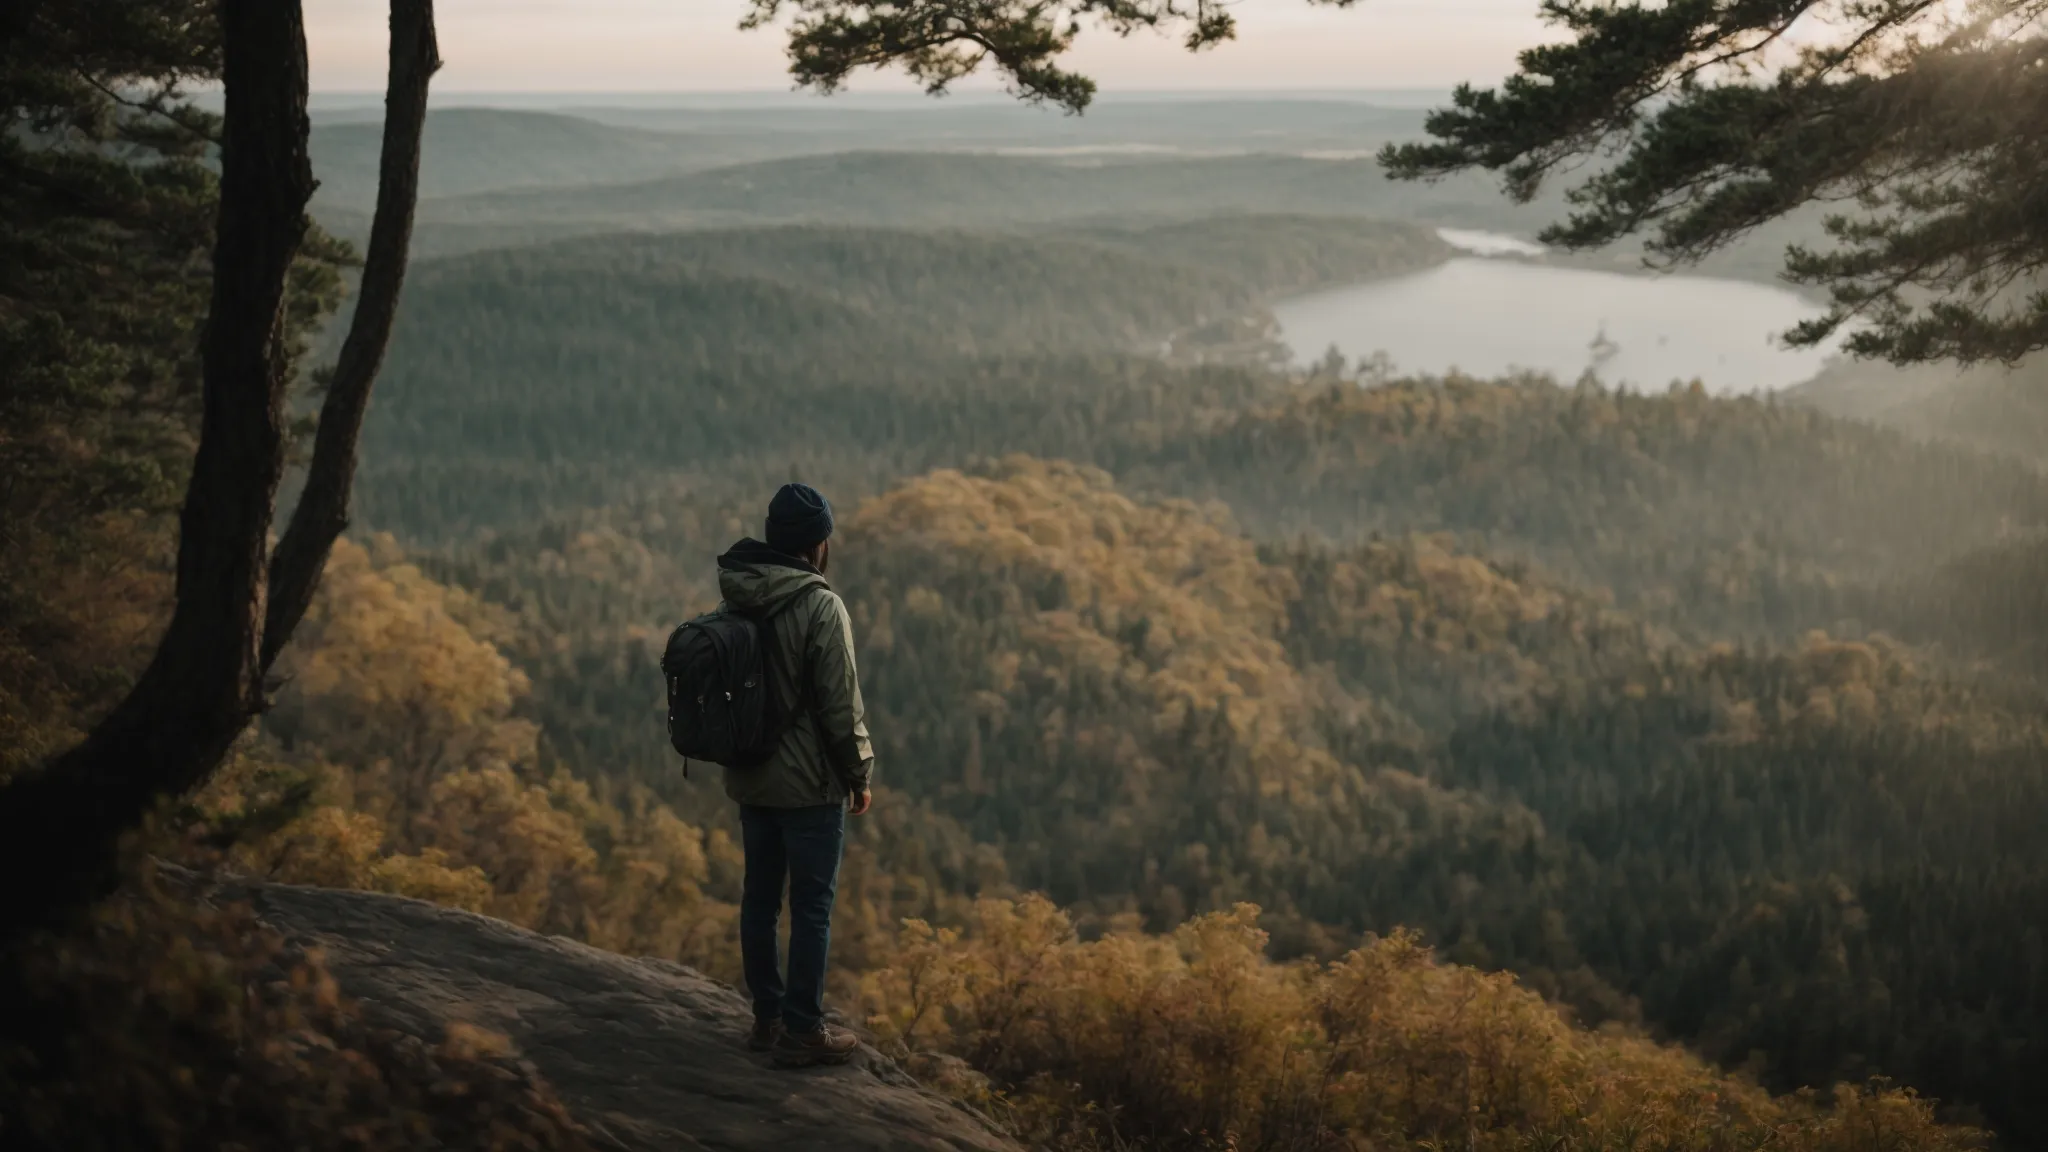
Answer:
[(648, 1054)]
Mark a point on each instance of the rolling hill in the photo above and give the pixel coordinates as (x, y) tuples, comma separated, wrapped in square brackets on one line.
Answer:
[(576, 367), (1813, 859), (469, 150), (911, 189), (1195, 123), (1991, 407)]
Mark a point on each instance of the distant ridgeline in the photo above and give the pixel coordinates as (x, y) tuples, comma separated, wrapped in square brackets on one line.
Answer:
[(899, 189), (1525, 667)]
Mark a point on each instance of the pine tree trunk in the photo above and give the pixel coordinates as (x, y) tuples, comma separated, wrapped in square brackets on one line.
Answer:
[(61, 827)]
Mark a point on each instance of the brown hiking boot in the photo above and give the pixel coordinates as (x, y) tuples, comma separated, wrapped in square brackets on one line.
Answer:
[(764, 1035), (828, 1045)]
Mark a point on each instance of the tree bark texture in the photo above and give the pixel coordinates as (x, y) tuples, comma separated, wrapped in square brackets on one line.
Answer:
[(323, 510)]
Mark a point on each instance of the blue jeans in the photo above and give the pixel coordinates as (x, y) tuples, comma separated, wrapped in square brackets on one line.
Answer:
[(802, 846)]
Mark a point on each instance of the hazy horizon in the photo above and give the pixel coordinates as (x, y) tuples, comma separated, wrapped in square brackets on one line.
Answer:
[(1391, 97), (663, 46)]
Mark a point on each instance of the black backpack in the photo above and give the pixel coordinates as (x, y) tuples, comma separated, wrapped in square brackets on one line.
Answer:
[(721, 696)]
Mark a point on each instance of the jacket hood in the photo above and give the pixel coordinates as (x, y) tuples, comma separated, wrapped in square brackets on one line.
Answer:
[(753, 577)]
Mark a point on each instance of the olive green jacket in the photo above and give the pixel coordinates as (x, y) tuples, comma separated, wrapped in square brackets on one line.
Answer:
[(825, 753)]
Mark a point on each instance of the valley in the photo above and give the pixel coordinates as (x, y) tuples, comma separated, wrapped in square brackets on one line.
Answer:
[(1339, 669), (1628, 692)]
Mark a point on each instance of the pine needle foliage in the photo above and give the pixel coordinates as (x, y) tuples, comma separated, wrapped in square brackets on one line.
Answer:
[(1914, 123)]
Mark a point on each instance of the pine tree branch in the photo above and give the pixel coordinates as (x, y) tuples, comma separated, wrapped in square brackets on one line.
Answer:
[(1927, 123), (161, 104), (939, 41)]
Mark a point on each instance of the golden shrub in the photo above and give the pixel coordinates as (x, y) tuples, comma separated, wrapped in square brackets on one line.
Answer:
[(1196, 1040), (397, 735)]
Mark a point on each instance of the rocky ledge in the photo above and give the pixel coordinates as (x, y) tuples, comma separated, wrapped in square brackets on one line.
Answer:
[(647, 1054)]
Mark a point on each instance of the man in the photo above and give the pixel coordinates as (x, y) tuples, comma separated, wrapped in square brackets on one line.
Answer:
[(793, 807)]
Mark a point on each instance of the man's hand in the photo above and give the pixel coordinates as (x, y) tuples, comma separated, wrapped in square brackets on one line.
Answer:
[(858, 804)]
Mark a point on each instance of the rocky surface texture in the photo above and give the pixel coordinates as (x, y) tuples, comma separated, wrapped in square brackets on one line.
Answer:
[(648, 1054)]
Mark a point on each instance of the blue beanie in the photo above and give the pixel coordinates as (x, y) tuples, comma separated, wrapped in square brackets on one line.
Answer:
[(798, 519)]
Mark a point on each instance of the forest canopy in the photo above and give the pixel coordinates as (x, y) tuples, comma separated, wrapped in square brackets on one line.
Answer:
[(1272, 752)]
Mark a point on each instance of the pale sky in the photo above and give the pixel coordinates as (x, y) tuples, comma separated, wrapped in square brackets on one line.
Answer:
[(695, 46)]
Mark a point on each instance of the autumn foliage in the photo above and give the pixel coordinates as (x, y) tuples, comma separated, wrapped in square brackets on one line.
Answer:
[(1197, 1040), (395, 761), (1152, 716), (1133, 689)]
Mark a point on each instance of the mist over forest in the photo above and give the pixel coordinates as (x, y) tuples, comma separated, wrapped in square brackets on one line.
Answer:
[(1632, 754)]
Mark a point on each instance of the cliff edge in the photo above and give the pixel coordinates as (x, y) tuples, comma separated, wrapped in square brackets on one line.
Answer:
[(647, 1054)]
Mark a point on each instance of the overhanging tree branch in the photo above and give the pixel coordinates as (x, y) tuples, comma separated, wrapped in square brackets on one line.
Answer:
[(323, 509), (940, 41)]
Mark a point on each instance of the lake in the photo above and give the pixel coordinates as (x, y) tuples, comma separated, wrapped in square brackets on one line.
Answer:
[(1487, 316)]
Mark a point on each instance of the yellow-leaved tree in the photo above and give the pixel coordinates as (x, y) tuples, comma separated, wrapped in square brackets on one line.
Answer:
[(1196, 1040), (396, 760)]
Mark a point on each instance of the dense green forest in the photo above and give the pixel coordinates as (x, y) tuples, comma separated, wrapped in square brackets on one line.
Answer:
[(575, 374), (589, 364), (1149, 712), (1734, 518), (1717, 723), (1993, 407), (1443, 654), (1349, 720)]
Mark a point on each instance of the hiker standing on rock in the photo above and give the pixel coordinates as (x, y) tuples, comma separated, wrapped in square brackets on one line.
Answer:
[(766, 686)]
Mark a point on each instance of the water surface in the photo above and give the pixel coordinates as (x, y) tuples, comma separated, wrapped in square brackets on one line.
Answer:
[(1489, 243), (1487, 317)]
